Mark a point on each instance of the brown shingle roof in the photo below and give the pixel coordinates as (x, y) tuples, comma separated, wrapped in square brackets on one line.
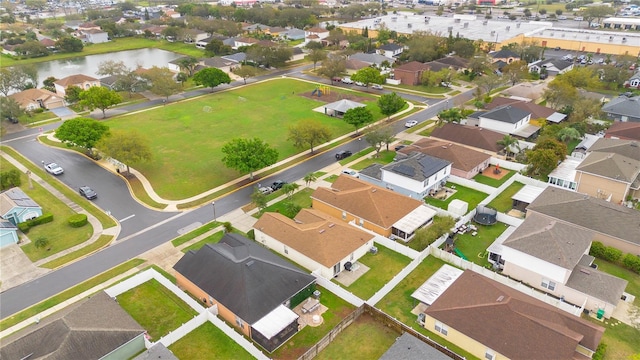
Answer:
[(455, 61), (624, 130), (461, 157), (372, 203), (589, 212), (510, 322), (29, 96), (413, 66), (472, 136), (314, 234), (317, 30), (74, 79)]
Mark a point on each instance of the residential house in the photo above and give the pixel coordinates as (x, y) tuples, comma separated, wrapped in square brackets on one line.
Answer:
[(314, 240), (465, 162), (49, 43), (374, 208), (409, 347), (292, 34), (390, 50), (410, 73), (580, 151), (353, 65), (8, 233), (244, 41), (416, 176), (252, 288), (453, 62), (537, 111), (505, 119), (553, 67), (17, 207), (33, 99), (191, 36), (612, 224), (553, 256), (84, 82), (477, 138), (490, 320), (623, 109), (202, 43), (88, 26), (623, 131), (94, 36), (611, 170), (377, 60), (507, 56), (93, 328), (315, 34), (564, 175), (633, 81)]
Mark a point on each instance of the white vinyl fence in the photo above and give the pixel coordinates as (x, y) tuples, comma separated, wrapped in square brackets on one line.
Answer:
[(397, 246), (397, 279), (472, 184), (337, 290)]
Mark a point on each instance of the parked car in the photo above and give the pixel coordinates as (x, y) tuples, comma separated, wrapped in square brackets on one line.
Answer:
[(350, 172), (87, 192), (277, 185), (336, 79), (343, 154), (400, 147), (411, 123), (358, 83), (562, 17), (347, 80), (376, 87), (53, 168), (266, 190)]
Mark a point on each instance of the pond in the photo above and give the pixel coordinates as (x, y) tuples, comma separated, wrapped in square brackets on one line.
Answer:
[(88, 65)]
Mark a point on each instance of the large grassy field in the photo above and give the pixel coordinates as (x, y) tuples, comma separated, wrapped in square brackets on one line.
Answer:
[(187, 137)]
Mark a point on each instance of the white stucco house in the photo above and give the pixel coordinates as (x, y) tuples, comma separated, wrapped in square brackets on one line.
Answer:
[(506, 120)]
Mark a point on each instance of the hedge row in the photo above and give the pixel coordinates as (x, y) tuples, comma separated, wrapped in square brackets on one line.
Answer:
[(77, 220), (608, 253), (25, 226)]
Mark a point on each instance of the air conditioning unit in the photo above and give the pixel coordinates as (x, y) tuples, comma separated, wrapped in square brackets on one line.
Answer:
[(373, 250)]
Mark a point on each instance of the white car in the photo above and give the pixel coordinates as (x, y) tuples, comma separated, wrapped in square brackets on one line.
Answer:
[(360, 83), (350, 172), (376, 86), (266, 190), (53, 168), (411, 123), (347, 80)]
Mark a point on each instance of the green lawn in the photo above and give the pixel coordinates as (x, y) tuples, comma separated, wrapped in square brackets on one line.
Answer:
[(398, 303), (384, 158), (194, 233), (383, 266), (102, 241), (503, 202), (60, 235), (633, 287), (208, 342), (37, 117), (418, 128), (474, 247), (338, 309), (471, 196), (379, 339), (572, 145), (483, 179), (302, 198), (622, 340), (211, 239), (205, 124), (155, 308)]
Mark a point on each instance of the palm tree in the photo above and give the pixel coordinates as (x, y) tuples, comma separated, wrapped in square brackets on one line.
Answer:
[(309, 178), (507, 142)]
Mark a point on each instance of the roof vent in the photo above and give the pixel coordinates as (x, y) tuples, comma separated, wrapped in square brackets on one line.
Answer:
[(321, 231), (500, 298), (332, 225), (374, 190), (585, 271), (249, 263)]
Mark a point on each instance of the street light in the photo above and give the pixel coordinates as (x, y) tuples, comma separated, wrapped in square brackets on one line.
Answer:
[(213, 203)]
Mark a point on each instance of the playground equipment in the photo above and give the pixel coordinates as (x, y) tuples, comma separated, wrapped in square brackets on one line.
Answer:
[(460, 254), (485, 215), (321, 90)]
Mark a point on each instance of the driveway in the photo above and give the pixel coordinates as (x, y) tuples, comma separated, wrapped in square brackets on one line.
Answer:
[(16, 268), (64, 113)]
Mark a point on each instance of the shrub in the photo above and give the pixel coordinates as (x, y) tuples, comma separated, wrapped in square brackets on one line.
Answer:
[(600, 351), (9, 179), (251, 234), (227, 227), (41, 242), (597, 249), (25, 226), (77, 220), (612, 254), (631, 262)]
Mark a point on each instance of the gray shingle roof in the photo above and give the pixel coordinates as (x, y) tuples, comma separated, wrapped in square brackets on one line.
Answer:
[(628, 148), (390, 47), (509, 114), (156, 352), (409, 347), (611, 165), (623, 105), (503, 54), (89, 330), (243, 276), (417, 167), (589, 212), (372, 58), (597, 284), (550, 240)]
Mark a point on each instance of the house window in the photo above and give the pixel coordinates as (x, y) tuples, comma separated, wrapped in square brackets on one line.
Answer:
[(286, 250), (489, 354), (344, 215), (361, 222), (548, 284), (239, 322), (441, 328)]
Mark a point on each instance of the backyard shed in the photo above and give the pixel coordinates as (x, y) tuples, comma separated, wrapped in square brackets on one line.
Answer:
[(525, 196), (458, 207)]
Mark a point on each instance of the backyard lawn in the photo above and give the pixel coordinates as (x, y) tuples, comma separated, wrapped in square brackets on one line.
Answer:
[(621, 339), (208, 342), (474, 247), (60, 235), (383, 266), (483, 179), (398, 303), (155, 308), (379, 339), (471, 196), (338, 309), (205, 124), (503, 202), (302, 198)]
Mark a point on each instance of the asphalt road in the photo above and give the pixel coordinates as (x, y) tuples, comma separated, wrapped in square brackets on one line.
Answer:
[(148, 228)]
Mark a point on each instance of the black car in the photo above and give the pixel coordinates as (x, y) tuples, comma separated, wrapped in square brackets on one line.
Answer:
[(400, 147), (88, 192), (277, 185), (343, 154)]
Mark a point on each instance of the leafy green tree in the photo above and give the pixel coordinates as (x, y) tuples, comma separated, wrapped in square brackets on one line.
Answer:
[(568, 134), (289, 189), (269, 56), (18, 78), (245, 72), (308, 133), (560, 93), (128, 147), (83, 132), (188, 63), (32, 49), (450, 115), (11, 110), (541, 162), (9, 179), (463, 48), (376, 139), (368, 75), (259, 199), (309, 178), (425, 47), (217, 48), (182, 77), (390, 104), (358, 117), (558, 148), (48, 84), (508, 142), (99, 97), (69, 44), (516, 71), (72, 94), (317, 55), (211, 77), (597, 13), (162, 82), (489, 82), (248, 155), (333, 67)]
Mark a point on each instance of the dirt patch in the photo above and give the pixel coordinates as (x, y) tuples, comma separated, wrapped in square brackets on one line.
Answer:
[(333, 96), (490, 172)]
